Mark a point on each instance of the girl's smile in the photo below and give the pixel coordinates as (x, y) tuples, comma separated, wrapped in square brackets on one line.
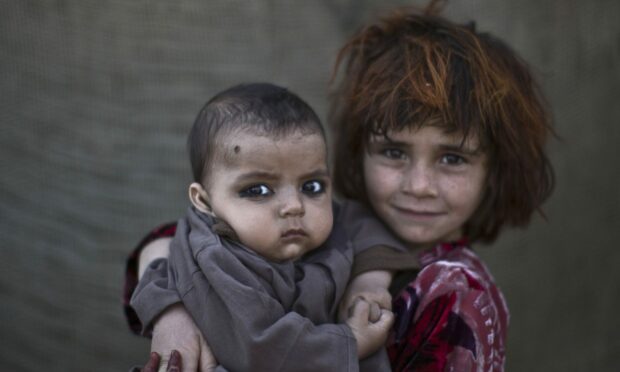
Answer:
[(417, 214), (424, 183)]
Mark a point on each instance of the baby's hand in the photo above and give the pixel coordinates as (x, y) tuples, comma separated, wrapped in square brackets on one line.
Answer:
[(370, 336)]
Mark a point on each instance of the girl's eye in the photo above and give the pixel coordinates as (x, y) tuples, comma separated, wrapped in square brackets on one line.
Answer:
[(452, 159), (393, 153), (255, 191), (313, 187)]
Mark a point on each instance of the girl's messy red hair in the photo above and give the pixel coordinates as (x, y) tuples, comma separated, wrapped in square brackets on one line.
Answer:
[(415, 67)]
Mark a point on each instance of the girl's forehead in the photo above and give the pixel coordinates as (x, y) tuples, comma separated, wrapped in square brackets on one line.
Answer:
[(428, 133)]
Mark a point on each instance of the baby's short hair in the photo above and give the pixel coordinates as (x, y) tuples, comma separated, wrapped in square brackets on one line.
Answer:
[(413, 68), (261, 108)]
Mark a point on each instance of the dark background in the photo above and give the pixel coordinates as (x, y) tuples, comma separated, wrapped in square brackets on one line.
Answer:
[(97, 98)]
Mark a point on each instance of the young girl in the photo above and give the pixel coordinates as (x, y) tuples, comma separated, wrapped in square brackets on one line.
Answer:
[(441, 130)]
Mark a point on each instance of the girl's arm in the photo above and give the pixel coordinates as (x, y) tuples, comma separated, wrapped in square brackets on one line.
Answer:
[(173, 329), (377, 254)]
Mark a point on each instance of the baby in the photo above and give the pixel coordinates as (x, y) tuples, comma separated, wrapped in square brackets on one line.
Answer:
[(256, 261)]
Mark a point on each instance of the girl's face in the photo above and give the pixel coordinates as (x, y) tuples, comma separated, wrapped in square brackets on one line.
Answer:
[(424, 183)]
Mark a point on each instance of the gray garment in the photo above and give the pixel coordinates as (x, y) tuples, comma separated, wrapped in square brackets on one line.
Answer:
[(259, 315)]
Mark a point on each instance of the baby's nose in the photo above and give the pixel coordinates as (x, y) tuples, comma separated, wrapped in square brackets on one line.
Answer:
[(292, 204)]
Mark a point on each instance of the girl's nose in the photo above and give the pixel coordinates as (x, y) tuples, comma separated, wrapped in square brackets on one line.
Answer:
[(291, 203), (419, 181)]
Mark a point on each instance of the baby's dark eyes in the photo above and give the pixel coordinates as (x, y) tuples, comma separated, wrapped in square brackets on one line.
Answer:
[(254, 191), (313, 187)]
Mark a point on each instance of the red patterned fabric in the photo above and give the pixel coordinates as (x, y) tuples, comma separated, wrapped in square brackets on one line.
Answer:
[(451, 317)]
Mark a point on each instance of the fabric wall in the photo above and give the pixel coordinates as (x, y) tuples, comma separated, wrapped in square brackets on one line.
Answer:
[(96, 98)]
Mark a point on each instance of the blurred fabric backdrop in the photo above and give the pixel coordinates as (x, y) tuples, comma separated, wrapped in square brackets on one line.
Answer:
[(97, 98)]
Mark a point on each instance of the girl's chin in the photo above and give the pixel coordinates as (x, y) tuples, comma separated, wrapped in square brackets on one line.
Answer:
[(416, 240)]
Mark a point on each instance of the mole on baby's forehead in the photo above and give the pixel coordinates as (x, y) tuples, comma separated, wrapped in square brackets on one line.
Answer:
[(230, 153), (231, 149), (236, 148)]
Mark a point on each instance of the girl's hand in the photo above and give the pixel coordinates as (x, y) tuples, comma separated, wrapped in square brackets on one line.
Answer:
[(175, 330), (370, 336), (372, 286), (175, 364)]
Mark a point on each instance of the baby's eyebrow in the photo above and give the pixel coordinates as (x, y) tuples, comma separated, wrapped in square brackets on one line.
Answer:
[(319, 173), (256, 175)]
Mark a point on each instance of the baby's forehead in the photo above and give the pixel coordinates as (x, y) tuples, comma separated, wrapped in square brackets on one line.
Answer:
[(241, 144)]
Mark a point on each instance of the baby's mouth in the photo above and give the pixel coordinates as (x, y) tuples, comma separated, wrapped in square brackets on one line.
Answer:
[(294, 233)]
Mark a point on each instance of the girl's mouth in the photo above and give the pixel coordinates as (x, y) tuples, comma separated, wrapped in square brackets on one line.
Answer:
[(421, 213)]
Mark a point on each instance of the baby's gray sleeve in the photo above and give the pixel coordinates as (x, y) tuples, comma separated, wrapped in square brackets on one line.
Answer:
[(155, 292)]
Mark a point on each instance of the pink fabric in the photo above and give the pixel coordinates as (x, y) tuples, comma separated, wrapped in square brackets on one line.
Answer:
[(452, 317)]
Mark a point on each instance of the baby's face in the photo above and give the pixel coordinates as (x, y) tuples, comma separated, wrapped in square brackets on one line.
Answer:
[(274, 193)]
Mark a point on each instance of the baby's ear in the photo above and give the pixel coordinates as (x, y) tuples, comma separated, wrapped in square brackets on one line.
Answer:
[(199, 198)]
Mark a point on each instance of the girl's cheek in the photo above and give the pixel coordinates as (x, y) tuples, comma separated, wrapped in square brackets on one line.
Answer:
[(377, 178), (466, 190)]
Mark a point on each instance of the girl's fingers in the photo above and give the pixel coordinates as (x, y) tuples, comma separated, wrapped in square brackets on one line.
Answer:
[(175, 364), (374, 312), (153, 364)]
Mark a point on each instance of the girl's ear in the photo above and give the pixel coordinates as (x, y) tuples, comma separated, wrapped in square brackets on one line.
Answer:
[(199, 198)]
